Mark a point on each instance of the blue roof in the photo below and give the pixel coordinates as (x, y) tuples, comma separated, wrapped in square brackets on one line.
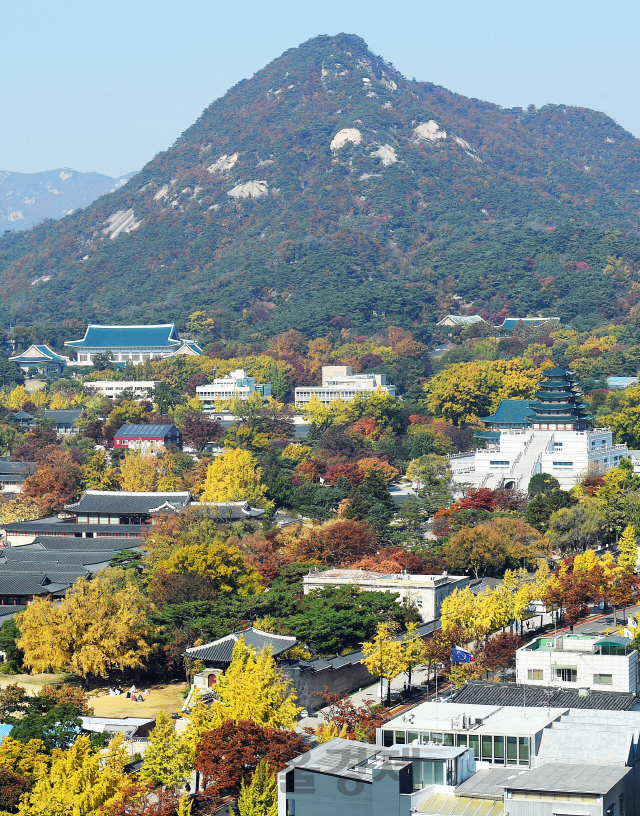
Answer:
[(512, 322), (510, 412), (44, 353), (146, 430), (109, 337)]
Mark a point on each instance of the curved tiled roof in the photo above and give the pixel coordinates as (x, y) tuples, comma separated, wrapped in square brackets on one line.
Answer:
[(221, 651), (156, 336), (124, 503)]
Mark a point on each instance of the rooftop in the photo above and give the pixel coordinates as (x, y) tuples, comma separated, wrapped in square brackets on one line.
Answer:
[(162, 335), (449, 804), (566, 778), (462, 320), (121, 502), (38, 353), (489, 783), (221, 651), (147, 430), (510, 412), (68, 415), (382, 577), (488, 693)]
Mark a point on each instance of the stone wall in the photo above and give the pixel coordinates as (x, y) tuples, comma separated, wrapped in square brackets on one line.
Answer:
[(344, 678)]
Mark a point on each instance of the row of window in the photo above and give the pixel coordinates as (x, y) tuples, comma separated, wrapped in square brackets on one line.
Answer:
[(499, 750), (568, 675)]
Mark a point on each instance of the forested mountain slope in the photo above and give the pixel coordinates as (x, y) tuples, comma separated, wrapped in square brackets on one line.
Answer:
[(26, 199), (328, 186)]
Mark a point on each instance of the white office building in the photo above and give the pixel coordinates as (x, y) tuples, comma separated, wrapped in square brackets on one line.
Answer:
[(114, 388), (340, 383), (602, 663), (427, 592), (235, 385)]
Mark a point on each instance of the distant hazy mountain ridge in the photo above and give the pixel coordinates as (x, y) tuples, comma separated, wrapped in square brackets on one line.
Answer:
[(329, 188), (26, 199)]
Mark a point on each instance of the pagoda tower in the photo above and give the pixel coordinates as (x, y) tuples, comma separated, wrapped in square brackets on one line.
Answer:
[(558, 404)]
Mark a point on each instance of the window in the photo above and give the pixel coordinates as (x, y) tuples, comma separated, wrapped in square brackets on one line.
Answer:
[(603, 679), (568, 674), (474, 740), (512, 750), (486, 748), (562, 464), (387, 738), (535, 674), (400, 737), (498, 750), (499, 463), (523, 746)]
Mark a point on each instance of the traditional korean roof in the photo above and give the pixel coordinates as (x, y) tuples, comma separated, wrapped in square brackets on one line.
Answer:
[(103, 547), (147, 430), (29, 583), (61, 416), (163, 335), (23, 416), (461, 320), (55, 558), (231, 511), (188, 348), (510, 412), (38, 354), (124, 503), (221, 651), (8, 468), (43, 526)]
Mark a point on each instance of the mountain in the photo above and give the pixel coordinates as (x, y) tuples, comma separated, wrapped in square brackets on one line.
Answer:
[(330, 188), (26, 199)]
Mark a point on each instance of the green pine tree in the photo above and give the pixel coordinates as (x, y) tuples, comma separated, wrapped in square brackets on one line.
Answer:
[(260, 798)]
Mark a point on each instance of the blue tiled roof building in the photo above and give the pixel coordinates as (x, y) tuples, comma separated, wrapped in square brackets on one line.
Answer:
[(131, 343)]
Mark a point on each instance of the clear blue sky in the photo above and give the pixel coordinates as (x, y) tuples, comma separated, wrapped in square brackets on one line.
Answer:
[(106, 85)]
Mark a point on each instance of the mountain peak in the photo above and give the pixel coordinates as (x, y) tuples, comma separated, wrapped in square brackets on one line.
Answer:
[(329, 187)]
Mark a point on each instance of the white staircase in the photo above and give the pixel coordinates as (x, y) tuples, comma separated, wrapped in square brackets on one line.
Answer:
[(522, 469)]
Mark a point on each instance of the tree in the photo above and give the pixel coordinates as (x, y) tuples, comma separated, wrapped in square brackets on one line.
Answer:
[(463, 392), (166, 759), (627, 548), (229, 754), (413, 651), (57, 482), (80, 781), (99, 475), (254, 688), (138, 472), (544, 505), (234, 476), (10, 439), (13, 698), (575, 529), (99, 625), (350, 721), (384, 655), (260, 798), (336, 542), (20, 509), (500, 652), (198, 429), (12, 786), (137, 799), (279, 386), (30, 759), (542, 483), (223, 564)]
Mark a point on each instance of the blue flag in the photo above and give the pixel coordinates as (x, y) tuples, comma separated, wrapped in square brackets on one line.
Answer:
[(460, 655)]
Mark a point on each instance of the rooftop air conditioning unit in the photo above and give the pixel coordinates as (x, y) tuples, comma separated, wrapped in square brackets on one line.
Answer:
[(583, 692)]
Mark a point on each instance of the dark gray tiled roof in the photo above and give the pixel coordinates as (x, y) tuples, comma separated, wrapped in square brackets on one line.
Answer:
[(18, 468), (479, 692), (27, 583), (8, 611), (62, 416), (48, 525), (101, 545), (13, 555), (221, 651), (60, 573), (119, 502)]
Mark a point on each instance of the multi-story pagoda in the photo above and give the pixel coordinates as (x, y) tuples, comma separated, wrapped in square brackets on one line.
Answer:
[(558, 404)]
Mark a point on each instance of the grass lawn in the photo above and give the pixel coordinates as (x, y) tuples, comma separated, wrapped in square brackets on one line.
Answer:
[(165, 697)]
